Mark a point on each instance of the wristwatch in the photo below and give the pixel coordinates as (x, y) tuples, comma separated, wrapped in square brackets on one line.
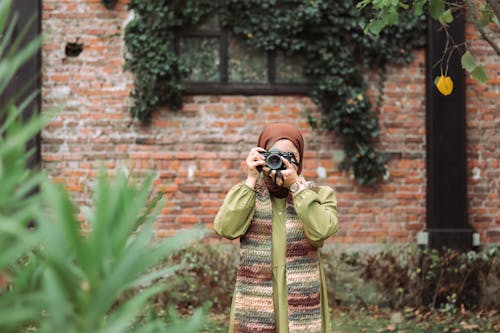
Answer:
[(295, 186)]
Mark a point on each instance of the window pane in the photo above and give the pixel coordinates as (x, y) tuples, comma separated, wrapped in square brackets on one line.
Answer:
[(202, 55), (290, 69), (210, 23), (246, 64)]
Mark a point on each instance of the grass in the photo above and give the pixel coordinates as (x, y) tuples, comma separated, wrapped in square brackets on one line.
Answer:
[(413, 321), (379, 320)]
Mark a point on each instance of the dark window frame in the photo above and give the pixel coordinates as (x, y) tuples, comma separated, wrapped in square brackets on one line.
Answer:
[(224, 86)]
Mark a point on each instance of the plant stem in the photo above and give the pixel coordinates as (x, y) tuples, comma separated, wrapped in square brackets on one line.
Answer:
[(495, 5), (436, 291)]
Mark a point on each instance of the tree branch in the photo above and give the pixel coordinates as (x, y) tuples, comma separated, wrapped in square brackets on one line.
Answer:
[(495, 5), (484, 34)]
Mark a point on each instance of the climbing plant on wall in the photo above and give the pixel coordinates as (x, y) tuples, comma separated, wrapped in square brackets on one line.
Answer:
[(328, 34)]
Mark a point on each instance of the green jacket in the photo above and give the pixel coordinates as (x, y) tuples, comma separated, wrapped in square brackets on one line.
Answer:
[(317, 210)]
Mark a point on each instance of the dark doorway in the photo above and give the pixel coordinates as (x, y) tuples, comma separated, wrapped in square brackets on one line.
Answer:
[(28, 78), (446, 199)]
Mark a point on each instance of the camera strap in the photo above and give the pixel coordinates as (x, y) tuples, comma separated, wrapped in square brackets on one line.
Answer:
[(278, 172)]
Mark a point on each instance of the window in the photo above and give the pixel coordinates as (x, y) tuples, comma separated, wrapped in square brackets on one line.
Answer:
[(224, 64)]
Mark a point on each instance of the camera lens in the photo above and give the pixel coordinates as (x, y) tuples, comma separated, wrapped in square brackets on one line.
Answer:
[(274, 161)]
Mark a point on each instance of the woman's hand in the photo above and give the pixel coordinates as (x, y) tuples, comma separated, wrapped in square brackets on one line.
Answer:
[(254, 160), (290, 175)]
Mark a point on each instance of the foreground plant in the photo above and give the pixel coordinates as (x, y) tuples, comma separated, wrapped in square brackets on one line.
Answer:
[(53, 278)]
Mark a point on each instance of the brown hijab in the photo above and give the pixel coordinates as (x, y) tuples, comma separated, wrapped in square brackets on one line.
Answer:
[(268, 137), (275, 132)]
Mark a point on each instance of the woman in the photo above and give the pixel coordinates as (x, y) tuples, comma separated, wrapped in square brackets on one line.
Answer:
[(281, 221)]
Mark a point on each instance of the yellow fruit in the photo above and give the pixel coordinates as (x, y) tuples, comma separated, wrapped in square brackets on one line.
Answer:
[(444, 85)]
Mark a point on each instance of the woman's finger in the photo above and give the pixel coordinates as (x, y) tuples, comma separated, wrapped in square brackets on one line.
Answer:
[(288, 164)]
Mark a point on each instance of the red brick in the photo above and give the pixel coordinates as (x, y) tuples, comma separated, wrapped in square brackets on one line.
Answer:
[(188, 219), (215, 133), (185, 155)]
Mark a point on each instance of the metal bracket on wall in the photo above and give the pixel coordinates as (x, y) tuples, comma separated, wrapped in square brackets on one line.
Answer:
[(423, 239)]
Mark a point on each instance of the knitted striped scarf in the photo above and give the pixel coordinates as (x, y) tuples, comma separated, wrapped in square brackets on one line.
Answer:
[(254, 308)]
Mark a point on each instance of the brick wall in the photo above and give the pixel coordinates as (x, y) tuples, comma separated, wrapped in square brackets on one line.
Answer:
[(483, 138), (196, 154)]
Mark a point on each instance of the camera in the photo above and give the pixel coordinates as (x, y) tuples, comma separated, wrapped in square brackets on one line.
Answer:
[(274, 161)]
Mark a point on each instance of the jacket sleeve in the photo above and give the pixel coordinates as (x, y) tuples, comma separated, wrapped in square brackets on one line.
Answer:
[(236, 213), (318, 212)]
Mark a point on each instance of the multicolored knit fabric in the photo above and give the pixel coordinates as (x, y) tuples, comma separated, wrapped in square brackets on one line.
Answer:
[(254, 308)]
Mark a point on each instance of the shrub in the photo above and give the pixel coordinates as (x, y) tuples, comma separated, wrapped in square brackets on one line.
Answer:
[(397, 277), (409, 276), (207, 275), (345, 285), (452, 278), (393, 272)]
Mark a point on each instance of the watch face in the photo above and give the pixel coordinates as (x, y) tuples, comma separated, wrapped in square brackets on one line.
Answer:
[(294, 187)]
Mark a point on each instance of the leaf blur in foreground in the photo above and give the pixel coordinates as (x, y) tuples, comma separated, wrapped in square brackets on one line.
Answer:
[(91, 273), (53, 278)]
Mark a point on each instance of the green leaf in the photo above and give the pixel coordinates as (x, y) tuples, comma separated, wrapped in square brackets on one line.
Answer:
[(7, 34), (392, 17), (495, 20), (480, 74), (403, 5), (124, 316), (15, 113), (446, 17), (468, 62), (15, 58), (486, 15), (30, 129), (363, 3), (375, 26), (418, 7), (57, 303), (14, 314), (194, 324), (4, 12), (156, 274), (20, 241), (436, 8)]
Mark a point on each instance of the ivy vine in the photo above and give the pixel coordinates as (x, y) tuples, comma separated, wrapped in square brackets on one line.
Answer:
[(329, 34)]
